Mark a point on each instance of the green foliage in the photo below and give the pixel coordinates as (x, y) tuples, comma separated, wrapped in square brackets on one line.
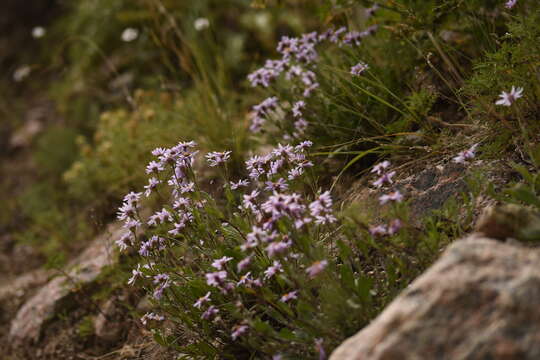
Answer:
[(513, 63), (56, 150), (364, 272), (85, 327)]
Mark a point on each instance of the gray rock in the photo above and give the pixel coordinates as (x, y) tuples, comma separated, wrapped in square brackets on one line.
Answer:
[(24, 135), (479, 301), (105, 326), (28, 324), (17, 287)]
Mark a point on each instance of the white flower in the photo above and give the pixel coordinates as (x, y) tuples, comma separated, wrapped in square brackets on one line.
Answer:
[(21, 73), (463, 156), (201, 24), (130, 34), (38, 32), (507, 99)]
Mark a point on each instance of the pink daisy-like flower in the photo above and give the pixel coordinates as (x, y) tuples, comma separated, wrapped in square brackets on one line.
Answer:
[(507, 99), (216, 158), (293, 295), (219, 263), (136, 273), (239, 330), (393, 196), (210, 313), (297, 108), (273, 270), (240, 183), (379, 230), (395, 226), (385, 178), (202, 300), (359, 68), (243, 264), (463, 156), (379, 168), (510, 4), (216, 278), (316, 268)]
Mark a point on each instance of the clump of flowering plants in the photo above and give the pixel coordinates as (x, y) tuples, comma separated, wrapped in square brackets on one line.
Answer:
[(264, 274), (297, 83)]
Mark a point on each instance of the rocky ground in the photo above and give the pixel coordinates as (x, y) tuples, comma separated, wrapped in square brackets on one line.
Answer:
[(477, 302), (478, 285)]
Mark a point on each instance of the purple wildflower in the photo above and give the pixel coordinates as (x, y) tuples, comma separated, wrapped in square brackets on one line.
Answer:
[(147, 246), (307, 91), (181, 202), (334, 36), (283, 205), (243, 264), (287, 46), (151, 316), (127, 211), (215, 158), (468, 154), (239, 330), (395, 226), (135, 274), (320, 349), (154, 167), (303, 145), (353, 38), (297, 108), (385, 178), (152, 184), (273, 270), (240, 183), (359, 68), (300, 125), (295, 173), (510, 4), (132, 197), (132, 224), (278, 185), (316, 268), (278, 247), (210, 312), (393, 196), (293, 295), (216, 279), (380, 167), (202, 300), (262, 77), (124, 240), (371, 10), (219, 263), (507, 99), (321, 209), (181, 224), (248, 203), (246, 280), (379, 230), (163, 282)]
